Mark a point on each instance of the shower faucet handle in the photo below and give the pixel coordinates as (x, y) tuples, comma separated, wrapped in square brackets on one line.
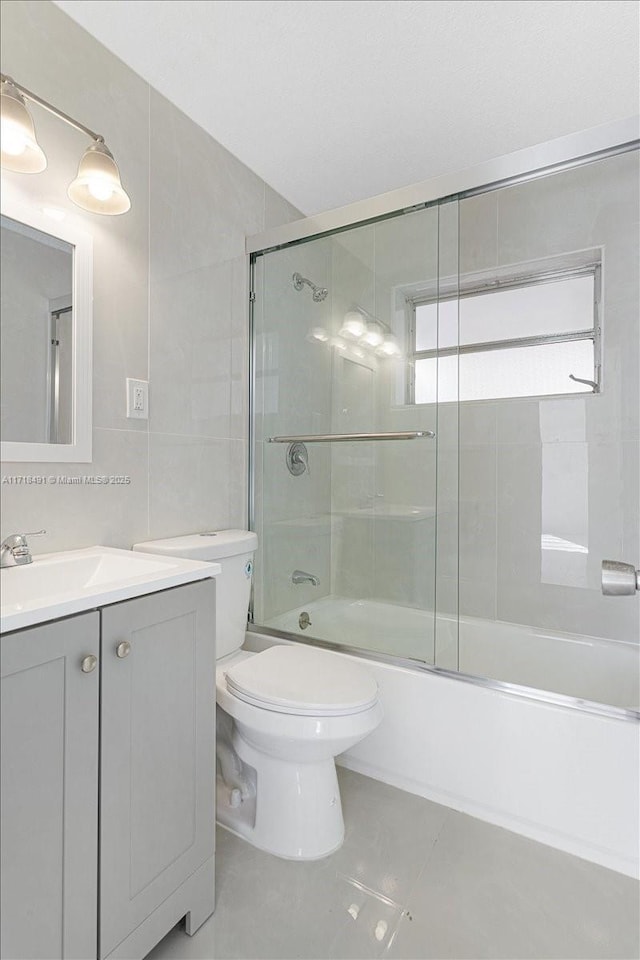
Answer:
[(619, 579), (297, 457)]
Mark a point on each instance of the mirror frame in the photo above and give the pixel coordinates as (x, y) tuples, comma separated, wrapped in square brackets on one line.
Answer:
[(79, 450)]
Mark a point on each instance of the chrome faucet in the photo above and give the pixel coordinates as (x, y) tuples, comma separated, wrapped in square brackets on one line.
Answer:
[(15, 551), (299, 576)]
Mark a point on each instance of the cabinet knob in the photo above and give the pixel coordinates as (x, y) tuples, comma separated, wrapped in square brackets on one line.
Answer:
[(89, 664), (123, 649)]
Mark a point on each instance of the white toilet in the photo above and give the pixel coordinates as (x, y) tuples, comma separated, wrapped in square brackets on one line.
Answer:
[(283, 715)]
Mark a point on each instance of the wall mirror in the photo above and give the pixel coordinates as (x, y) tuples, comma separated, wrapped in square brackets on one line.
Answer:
[(45, 338)]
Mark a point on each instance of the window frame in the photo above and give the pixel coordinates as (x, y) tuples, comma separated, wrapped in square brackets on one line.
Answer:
[(594, 333)]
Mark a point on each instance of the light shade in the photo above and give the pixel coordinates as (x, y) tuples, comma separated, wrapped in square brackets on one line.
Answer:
[(21, 152), (353, 325), (389, 348), (97, 187), (373, 335), (319, 334)]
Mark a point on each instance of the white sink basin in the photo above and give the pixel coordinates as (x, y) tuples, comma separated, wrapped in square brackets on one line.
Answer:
[(59, 584)]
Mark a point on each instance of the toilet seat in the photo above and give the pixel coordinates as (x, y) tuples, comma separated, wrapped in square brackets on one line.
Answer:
[(302, 682)]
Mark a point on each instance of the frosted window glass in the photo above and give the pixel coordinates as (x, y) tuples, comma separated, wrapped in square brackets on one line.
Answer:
[(537, 310), (562, 306), (437, 378), (513, 372), (437, 325), (426, 380)]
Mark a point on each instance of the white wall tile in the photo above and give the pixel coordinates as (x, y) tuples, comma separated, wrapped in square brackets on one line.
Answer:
[(190, 355), (239, 405), (120, 350), (567, 467), (87, 512), (238, 488), (477, 519), (277, 210), (182, 242), (478, 233), (190, 484), (203, 200), (586, 495)]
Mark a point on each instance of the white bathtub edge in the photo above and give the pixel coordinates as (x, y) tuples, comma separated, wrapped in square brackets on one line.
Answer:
[(499, 818)]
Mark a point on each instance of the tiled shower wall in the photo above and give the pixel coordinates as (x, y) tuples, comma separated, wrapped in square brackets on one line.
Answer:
[(564, 467), (293, 397), (514, 477), (512, 474), (170, 298)]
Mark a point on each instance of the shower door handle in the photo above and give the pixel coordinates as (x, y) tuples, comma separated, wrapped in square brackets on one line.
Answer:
[(619, 579)]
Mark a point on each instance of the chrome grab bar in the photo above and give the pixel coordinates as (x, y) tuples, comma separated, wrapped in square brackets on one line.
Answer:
[(349, 437)]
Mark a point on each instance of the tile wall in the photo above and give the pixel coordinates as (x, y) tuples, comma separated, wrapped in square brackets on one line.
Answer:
[(562, 467), (293, 398), (170, 297), (528, 469)]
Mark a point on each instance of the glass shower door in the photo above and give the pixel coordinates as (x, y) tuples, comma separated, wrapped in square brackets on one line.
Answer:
[(549, 431), (500, 332), (347, 524)]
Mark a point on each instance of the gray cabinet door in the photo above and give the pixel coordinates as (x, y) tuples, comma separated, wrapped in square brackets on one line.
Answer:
[(49, 791), (158, 752)]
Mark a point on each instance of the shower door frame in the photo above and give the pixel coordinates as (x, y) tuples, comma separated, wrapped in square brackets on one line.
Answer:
[(532, 163)]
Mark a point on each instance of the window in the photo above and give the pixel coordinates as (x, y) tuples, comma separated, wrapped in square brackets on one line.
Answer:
[(511, 337)]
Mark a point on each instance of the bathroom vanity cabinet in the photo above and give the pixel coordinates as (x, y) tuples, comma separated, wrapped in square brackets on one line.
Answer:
[(108, 777), (49, 784)]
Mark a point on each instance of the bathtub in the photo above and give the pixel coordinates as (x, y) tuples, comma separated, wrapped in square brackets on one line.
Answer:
[(550, 768), (366, 624), (584, 668)]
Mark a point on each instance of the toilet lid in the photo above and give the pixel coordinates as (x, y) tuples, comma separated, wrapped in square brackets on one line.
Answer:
[(299, 680)]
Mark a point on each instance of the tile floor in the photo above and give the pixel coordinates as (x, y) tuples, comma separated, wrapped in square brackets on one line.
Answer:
[(413, 880)]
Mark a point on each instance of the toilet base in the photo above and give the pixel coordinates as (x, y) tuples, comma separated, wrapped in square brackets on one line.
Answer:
[(296, 811), (232, 828)]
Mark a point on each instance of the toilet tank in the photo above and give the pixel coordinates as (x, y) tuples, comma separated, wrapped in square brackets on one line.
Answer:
[(233, 550)]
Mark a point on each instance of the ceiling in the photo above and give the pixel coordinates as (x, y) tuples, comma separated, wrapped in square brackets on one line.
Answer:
[(332, 101)]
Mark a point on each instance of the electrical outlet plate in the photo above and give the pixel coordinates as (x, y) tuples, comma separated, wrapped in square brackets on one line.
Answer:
[(137, 399)]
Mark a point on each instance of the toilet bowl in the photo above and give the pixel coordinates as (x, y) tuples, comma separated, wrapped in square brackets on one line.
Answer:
[(283, 716), (291, 744)]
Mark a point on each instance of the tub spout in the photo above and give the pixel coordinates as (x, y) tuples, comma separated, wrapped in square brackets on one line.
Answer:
[(299, 576)]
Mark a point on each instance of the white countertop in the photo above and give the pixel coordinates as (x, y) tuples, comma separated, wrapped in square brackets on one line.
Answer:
[(60, 584)]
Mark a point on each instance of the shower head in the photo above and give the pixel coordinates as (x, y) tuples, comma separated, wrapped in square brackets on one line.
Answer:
[(319, 293)]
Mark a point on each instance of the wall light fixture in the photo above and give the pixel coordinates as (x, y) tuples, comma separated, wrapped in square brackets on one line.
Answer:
[(97, 186), (353, 325), (373, 336), (361, 326)]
